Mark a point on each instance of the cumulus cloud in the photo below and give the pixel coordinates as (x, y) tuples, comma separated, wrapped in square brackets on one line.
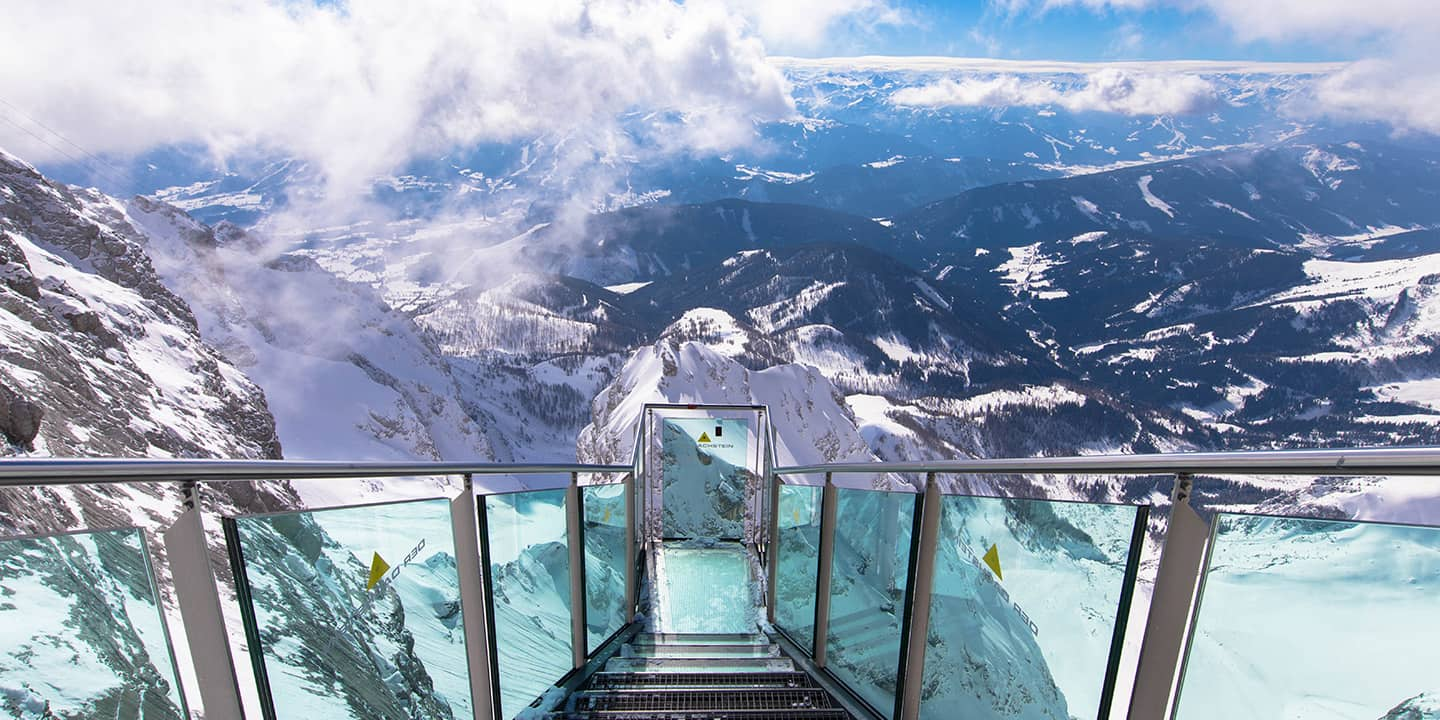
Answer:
[(359, 87), (1110, 90)]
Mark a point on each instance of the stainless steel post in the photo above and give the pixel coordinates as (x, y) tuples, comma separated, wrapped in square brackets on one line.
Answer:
[(465, 525), (828, 499), (632, 577), (204, 621), (575, 540), (1170, 606), (930, 519), (772, 553)]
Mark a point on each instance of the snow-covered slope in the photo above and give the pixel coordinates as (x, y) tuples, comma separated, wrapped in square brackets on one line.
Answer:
[(351, 377), (97, 351), (812, 421)]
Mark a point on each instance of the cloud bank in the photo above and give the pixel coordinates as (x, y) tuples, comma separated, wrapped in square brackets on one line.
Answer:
[(360, 87), (1399, 83), (1109, 90)]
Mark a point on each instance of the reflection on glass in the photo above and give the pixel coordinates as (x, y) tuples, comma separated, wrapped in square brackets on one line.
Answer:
[(798, 555), (530, 586), (605, 611), (81, 634), (1026, 597), (867, 591), (706, 471), (1316, 618), (356, 610)]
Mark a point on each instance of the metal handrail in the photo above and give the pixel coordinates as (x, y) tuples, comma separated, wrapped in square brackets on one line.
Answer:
[(78, 471), (1347, 461)]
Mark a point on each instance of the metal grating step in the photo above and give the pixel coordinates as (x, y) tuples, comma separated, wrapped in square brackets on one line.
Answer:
[(665, 701), (700, 664), (689, 650), (655, 681), (796, 714), (701, 639)]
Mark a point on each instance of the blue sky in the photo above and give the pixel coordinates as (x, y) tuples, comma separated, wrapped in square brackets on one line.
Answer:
[(978, 28)]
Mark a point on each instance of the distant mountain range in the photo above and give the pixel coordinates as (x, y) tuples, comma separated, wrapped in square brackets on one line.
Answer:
[(893, 281)]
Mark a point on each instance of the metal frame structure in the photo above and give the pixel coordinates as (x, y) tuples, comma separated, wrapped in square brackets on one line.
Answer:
[(1184, 547)]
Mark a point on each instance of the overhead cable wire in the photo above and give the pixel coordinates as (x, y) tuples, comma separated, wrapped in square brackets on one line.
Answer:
[(112, 174)]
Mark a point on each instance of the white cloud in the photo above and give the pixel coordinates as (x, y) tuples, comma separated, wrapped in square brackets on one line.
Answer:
[(804, 25), (1308, 19), (1111, 90), (360, 88), (1399, 82), (1405, 95)]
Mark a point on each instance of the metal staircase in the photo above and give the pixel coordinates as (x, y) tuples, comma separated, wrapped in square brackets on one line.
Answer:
[(695, 676)]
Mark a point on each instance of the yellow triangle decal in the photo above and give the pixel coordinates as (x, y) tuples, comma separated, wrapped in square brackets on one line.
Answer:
[(607, 516), (796, 513), (992, 558), (704, 437), (378, 568)]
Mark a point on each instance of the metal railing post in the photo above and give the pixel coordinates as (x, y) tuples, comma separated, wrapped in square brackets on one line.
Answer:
[(1171, 604), (911, 682), (772, 553), (575, 540), (632, 578), (465, 524), (828, 499), (199, 598)]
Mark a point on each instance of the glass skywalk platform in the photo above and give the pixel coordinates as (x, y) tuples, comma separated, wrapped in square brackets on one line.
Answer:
[(706, 581)]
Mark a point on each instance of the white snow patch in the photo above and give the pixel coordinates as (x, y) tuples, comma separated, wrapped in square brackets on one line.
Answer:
[(888, 162), (627, 288), (1150, 198)]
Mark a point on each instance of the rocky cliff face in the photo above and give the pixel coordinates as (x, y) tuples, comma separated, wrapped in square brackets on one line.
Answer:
[(100, 358)]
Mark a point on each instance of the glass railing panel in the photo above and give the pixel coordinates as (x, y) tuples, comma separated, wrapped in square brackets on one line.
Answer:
[(867, 591), (1025, 605), (798, 555), (605, 559), (1315, 618), (355, 611), (529, 583), (81, 631)]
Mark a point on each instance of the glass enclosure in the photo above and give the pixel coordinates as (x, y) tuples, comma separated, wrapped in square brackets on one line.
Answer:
[(798, 555), (1315, 618), (81, 631), (867, 591), (528, 565), (1026, 600), (355, 611), (605, 560)]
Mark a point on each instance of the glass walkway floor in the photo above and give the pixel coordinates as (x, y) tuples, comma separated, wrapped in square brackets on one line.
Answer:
[(705, 587)]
